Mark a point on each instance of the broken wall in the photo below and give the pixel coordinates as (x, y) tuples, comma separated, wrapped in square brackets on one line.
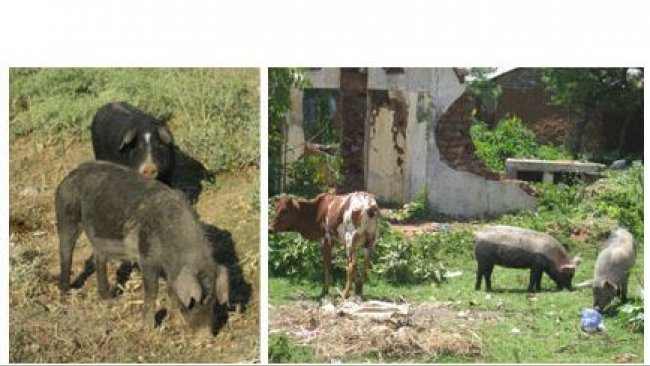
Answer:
[(415, 136)]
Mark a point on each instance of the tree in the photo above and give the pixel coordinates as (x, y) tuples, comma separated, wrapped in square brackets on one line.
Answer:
[(281, 80), (485, 91), (588, 90)]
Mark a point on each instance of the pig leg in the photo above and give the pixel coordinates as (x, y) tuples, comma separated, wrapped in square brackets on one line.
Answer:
[(150, 283), (484, 270), (68, 235), (488, 277), (102, 278), (326, 252), (623, 290), (535, 283)]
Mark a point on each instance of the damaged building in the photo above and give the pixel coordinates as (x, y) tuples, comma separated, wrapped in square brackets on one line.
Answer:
[(406, 130)]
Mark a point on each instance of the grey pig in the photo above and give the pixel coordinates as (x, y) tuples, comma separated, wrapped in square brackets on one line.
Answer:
[(613, 267), (128, 217), (515, 247)]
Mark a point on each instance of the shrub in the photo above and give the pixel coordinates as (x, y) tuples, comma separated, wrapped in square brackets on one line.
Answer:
[(314, 174), (421, 258), (292, 256), (283, 350), (509, 139), (583, 214)]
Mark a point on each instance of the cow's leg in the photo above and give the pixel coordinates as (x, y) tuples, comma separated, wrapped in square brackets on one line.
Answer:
[(623, 290), (326, 252), (368, 251), (351, 254)]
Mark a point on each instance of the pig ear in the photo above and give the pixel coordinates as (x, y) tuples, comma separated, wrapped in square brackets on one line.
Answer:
[(188, 289), (223, 284), (165, 136), (127, 139), (568, 268)]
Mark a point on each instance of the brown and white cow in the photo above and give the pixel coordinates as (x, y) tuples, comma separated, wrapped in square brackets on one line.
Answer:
[(352, 219)]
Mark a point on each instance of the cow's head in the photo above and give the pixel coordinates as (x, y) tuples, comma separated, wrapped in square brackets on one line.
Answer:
[(287, 213)]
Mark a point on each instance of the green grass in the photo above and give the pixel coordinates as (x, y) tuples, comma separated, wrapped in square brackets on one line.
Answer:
[(213, 113), (548, 322)]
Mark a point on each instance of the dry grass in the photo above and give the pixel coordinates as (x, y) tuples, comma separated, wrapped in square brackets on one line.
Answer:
[(428, 330), (48, 327)]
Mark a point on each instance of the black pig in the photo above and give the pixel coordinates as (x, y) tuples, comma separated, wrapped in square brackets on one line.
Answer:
[(126, 135), (515, 247), (128, 217)]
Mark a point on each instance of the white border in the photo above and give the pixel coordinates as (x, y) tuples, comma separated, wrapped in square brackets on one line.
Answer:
[(249, 33)]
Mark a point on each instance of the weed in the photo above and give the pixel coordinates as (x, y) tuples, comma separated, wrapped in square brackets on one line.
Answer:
[(283, 350), (510, 139)]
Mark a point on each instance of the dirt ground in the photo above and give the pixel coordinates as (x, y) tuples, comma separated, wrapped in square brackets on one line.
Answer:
[(48, 327), (427, 330)]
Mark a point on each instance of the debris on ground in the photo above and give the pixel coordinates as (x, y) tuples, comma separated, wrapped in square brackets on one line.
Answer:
[(388, 329)]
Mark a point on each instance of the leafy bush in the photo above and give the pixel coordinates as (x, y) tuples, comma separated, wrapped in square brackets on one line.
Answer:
[(509, 139), (420, 259), (291, 255), (213, 113), (314, 174), (283, 350), (583, 214), (632, 315), (620, 197), (411, 211)]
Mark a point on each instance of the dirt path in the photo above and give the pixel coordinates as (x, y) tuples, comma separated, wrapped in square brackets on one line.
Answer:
[(46, 327)]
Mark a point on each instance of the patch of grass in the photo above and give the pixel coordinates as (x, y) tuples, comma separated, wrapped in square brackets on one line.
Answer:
[(542, 327), (213, 113), (283, 350)]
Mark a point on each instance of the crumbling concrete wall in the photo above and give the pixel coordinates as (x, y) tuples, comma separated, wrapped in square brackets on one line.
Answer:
[(392, 128), (416, 136), (469, 190)]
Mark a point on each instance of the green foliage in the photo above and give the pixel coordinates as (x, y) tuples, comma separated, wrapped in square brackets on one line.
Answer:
[(569, 212), (632, 315), (213, 113), (291, 255), (411, 211), (420, 259), (281, 80), (397, 259), (314, 174), (611, 87), (509, 139), (484, 89), (283, 350), (620, 197)]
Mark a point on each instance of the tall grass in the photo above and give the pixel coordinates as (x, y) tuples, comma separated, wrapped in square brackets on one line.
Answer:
[(213, 113)]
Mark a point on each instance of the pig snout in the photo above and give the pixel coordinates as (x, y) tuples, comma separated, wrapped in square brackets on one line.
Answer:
[(149, 170)]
